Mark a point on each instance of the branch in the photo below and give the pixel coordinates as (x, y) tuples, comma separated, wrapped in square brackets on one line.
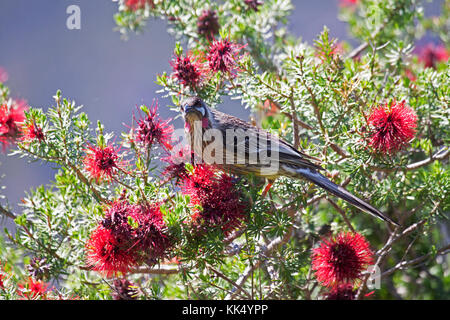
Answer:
[(403, 264), (161, 270), (342, 212), (440, 155), (221, 275), (278, 241), (7, 213)]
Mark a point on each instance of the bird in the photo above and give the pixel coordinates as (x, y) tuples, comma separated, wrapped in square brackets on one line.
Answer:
[(238, 147)]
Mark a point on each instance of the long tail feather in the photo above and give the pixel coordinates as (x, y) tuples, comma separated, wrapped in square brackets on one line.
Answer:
[(325, 183)]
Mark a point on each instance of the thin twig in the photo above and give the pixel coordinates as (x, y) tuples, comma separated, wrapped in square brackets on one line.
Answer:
[(224, 277), (342, 212), (440, 155), (7, 213), (403, 264), (160, 270)]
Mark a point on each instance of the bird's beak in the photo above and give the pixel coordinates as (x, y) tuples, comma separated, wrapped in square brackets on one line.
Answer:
[(189, 109)]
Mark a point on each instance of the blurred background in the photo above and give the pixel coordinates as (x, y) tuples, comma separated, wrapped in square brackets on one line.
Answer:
[(98, 69)]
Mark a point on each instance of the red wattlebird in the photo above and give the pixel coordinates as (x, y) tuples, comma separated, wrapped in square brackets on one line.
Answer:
[(241, 148)]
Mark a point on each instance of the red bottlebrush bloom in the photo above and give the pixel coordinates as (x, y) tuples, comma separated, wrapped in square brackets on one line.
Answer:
[(393, 126), (33, 289), (431, 55), (151, 233), (219, 200), (187, 70), (140, 228), (152, 129), (107, 254), (224, 56), (102, 162), (32, 132), (10, 117), (341, 292), (341, 259), (253, 4), (2, 277), (138, 4), (208, 24)]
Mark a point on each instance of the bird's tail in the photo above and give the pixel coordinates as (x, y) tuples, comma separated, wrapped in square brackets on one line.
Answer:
[(323, 182)]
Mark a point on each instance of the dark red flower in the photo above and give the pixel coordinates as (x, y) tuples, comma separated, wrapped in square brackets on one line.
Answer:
[(106, 254), (219, 200), (124, 290), (31, 132), (138, 4), (224, 56), (139, 228), (102, 162), (430, 55), (341, 292), (2, 277), (153, 129), (253, 4), (151, 233), (33, 289), (341, 259), (10, 117), (393, 126), (208, 24), (187, 70)]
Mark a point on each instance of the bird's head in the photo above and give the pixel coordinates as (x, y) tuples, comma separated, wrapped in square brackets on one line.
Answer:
[(194, 109)]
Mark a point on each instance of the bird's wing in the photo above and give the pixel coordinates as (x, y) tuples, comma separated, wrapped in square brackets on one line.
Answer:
[(258, 143)]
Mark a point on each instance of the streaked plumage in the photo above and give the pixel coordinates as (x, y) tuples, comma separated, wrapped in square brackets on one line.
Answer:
[(258, 146)]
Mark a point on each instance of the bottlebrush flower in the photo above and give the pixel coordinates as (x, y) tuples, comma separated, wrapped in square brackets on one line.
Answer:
[(152, 129), (33, 289), (106, 254), (138, 4), (187, 70), (32, 132), (2, 277), (141, 228), (102, 162), (151, 233), (208, 24), (10, 117), (253, 4), (217, 196), (393, 126), (124, 290), (341, 292), (341, 259), (430, 55), (224, 56)]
